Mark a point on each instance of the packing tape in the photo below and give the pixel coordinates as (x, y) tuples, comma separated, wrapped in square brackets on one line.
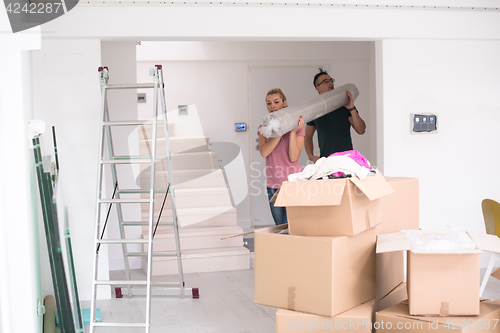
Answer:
[(445, 309), (291, 298)]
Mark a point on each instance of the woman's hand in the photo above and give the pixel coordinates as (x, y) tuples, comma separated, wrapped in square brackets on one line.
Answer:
[(300, 125)]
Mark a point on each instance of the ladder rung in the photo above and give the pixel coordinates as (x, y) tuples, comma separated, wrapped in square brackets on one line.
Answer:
[(119, 324), (117, 282), (131, 200), (137, 191), (130, 86), (155, 254), (127, 161), (132, 122), (143, 223), (160, 290), (165, 284), (122, 241)]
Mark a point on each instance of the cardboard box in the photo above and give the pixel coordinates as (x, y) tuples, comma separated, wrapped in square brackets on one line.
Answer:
[(390, 272), (397, 318), (319, 275), (358, 319), (400, 210), (333, 207), (442, 282), (496, 274), (395, 296)]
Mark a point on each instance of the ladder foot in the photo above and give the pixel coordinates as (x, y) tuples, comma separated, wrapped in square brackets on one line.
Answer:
[(118, 292), (196, 293)]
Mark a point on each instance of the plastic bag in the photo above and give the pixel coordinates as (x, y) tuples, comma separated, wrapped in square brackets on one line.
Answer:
[(283, 121)]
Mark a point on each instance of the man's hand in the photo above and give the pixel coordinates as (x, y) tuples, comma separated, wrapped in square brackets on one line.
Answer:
[(314, 158), (350, 102)]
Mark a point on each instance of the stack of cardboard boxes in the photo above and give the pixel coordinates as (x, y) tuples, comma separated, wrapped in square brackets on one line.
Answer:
[(443, 288), (322, 269)]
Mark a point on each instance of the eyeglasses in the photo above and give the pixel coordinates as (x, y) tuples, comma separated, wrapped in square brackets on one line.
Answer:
[(330, 80)]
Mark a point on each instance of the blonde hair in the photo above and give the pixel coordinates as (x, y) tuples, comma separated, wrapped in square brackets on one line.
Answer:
[(276, 91)]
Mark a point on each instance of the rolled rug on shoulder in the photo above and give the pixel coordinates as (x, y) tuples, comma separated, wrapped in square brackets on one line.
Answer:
[(283, 121)]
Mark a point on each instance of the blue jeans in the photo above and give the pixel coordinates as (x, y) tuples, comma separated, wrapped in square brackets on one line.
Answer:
[(278, 213)]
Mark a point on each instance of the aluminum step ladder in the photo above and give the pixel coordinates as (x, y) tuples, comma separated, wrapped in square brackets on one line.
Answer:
[(128, 286)]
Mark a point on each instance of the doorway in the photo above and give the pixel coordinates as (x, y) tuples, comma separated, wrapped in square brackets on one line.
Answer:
[(296, 82)]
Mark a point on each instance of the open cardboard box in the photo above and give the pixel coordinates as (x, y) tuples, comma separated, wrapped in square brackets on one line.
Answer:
[(318, 275), (397, 318), (400, 210), (358, 319), (442, 282), (333, 207)]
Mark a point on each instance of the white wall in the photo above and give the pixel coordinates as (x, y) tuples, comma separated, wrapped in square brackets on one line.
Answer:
[(67, 95), (215, 77), (19, 275), (457, 167)]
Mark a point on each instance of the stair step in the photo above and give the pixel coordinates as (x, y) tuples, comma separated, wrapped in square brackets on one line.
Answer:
[(128, 161), (146, 132), (135, 123), (122, 241), (155, 254), (199, 217), (198, 238), (145, 223), (195, 232), (206, 260), (120, 201), (178, 145), (193, 198), (186, 161), (184, 179)]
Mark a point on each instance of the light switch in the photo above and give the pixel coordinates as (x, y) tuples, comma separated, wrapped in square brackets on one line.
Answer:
[(423, 123)]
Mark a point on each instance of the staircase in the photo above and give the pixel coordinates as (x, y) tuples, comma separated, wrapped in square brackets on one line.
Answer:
[(204, 209)]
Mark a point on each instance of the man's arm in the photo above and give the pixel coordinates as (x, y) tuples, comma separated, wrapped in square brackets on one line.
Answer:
[(356, 122), (308, 143)]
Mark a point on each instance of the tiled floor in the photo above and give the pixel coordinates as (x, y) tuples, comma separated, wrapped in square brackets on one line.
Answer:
[(225, 306)]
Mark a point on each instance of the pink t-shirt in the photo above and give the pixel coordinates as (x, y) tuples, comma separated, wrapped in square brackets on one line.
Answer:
[(278, 164)]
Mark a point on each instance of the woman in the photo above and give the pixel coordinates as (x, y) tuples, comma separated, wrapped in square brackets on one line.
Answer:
[(281, 153)]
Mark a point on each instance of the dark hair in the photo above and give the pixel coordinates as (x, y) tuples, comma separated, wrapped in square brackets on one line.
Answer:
[(321, 72)]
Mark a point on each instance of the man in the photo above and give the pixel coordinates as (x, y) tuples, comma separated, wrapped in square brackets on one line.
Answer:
[(334, 128)]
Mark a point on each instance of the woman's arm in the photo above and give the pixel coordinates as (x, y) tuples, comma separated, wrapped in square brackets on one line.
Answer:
[(296, 143), (266, 148)]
